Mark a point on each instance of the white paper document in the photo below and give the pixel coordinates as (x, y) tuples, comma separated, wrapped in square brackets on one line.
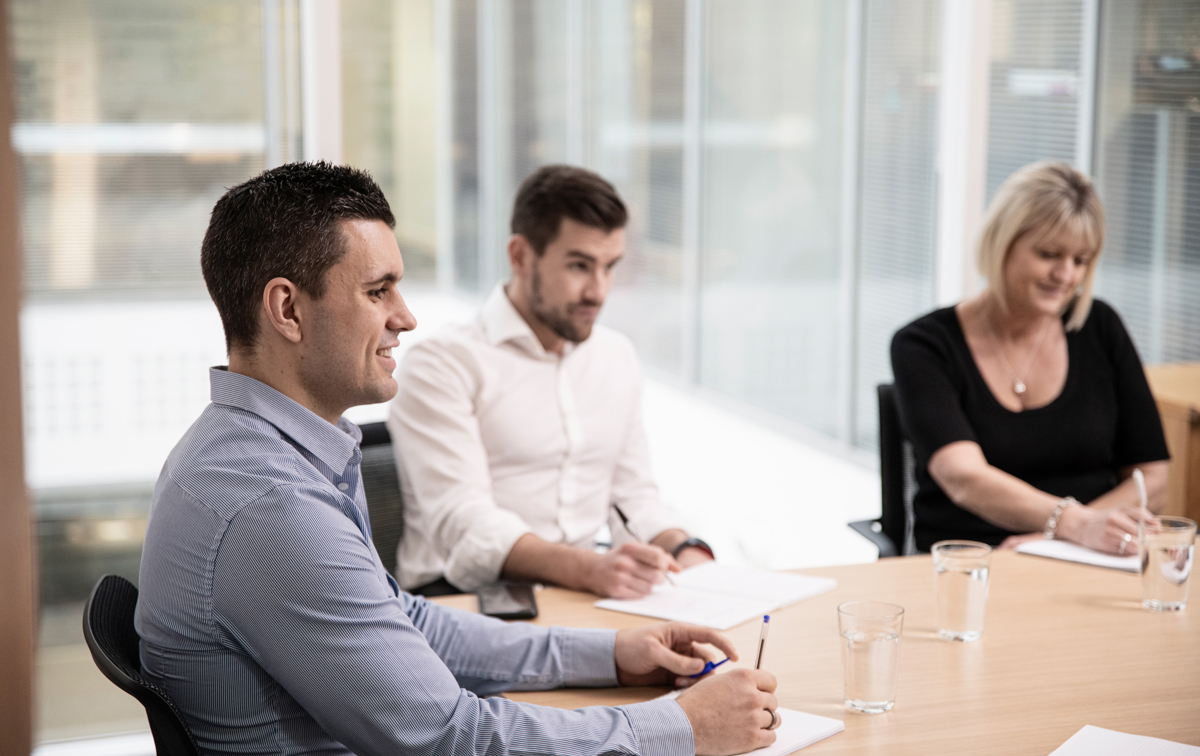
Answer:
[(1071, 552), (796, 730), (1097, 741), (717, 596)]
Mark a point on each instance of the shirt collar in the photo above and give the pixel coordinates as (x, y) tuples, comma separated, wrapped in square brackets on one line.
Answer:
[(332, 444), (502, 323)]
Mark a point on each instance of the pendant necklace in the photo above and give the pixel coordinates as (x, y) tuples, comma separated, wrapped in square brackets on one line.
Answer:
[(1018, 386)]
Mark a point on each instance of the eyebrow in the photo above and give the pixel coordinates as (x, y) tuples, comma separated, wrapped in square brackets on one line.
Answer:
[(386, 278), (589, 257)]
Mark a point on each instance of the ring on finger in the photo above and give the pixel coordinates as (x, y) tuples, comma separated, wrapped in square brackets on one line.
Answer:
[(1125, 539), (775, 719)]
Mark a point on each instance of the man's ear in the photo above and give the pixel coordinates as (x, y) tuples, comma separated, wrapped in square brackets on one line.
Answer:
[(520, 255), (279, 305)]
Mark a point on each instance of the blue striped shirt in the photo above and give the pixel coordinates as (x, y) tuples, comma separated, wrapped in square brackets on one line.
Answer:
[(266, 614)]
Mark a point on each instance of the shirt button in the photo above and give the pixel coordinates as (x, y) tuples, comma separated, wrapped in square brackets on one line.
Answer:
[(343, 486)]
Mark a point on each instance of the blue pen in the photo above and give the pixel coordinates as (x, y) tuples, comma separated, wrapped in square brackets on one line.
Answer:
[(708, 667)]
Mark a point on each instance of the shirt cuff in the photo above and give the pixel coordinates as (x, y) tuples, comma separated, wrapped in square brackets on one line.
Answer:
[(478, 557), (588, 659), (661, 728), (652, 519)]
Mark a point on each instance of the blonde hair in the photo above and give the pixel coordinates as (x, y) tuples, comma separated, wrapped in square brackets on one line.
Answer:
[(1044, 198)]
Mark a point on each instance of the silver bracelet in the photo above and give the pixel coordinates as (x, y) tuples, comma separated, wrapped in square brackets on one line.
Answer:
[(1052, 524)]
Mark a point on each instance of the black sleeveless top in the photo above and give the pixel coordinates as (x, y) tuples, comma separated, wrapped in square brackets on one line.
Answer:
[(1104, 419)]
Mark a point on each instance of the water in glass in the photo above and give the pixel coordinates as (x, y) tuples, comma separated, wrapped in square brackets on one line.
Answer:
[(962, 594), (870, 659)]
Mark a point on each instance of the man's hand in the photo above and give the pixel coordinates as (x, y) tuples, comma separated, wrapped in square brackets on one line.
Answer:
[(629, 571), (667, 653), (729, 713)]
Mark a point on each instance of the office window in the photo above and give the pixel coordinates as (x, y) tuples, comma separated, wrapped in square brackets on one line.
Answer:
[(1148, 172), (769, 306), (897, 212), (388, 102), (635, 139), (1033, 103), (132, 118)]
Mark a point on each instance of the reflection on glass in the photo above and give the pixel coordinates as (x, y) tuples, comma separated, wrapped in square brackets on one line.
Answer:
[(388, 101), (771, 154), (1034, 97), (1148, 173), (637, 143), (897, 192)]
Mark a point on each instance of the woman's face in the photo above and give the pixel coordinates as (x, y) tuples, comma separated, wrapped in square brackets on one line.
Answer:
[(1043, 271)]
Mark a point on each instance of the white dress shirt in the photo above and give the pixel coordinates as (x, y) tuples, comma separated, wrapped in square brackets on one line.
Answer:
[(495, 437)]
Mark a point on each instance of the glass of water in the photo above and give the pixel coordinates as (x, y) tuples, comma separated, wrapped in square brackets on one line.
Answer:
[(960, 569), (870, 653), (1166, 546)]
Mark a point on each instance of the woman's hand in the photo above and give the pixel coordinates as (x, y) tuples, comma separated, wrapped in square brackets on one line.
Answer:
[(1102, 529)]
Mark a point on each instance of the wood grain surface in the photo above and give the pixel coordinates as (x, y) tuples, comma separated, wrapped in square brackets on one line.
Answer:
[(1064, 646)]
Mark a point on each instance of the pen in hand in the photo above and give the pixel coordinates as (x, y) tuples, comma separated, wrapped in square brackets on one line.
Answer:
[(625, 522), (762, 640)]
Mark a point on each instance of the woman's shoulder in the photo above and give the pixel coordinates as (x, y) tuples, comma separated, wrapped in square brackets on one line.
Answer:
[(940, 324), (935, 336), (1104, 322)]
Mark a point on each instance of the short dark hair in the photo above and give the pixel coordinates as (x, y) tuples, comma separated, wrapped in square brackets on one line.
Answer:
[(282, 223), (554, 192)]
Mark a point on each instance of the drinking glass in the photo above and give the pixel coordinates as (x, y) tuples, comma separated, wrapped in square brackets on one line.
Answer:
[(1166, 547), (870, 653), (960, 571)]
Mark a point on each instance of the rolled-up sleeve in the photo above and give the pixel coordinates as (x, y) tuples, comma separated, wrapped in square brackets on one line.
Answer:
[(443, 462), (295, 587)]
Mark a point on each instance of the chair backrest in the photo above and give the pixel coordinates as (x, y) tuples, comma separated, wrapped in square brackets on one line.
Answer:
[(108, 629), (897, 472), (381, 484)]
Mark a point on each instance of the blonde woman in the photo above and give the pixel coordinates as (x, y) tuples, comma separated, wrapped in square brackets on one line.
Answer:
[(1027, 405)]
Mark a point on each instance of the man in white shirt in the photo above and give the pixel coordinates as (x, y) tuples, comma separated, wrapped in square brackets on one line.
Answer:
[(519, 436)]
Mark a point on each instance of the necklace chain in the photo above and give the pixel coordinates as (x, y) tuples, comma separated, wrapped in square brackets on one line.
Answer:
[(1018, 386)]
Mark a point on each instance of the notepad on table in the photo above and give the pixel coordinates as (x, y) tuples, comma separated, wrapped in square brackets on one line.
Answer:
[(717, 596), (1071, 552), (1097, 741)]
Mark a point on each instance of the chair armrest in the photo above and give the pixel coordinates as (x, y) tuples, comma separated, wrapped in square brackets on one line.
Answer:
[(873, 532)]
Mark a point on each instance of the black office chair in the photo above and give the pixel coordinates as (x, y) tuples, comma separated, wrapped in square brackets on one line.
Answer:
[(381, 485), (108, 629), (892, 533)]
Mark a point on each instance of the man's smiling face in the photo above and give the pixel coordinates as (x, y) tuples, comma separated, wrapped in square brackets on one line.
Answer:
[(347, 359)]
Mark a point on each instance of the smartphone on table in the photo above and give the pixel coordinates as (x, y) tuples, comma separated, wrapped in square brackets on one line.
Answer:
[(508, 600)]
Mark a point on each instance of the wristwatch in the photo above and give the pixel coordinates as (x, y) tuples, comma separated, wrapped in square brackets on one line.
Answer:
[(693, 543), (1052, 524)]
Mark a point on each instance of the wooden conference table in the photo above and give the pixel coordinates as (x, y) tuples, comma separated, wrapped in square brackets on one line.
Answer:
[(1064, 645)]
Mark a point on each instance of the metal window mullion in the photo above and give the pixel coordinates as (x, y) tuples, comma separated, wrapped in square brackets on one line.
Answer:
[(690, 236), (489, 184), (272, 95), (850, 203), (321, 79), (443, 56), (575, 81), (1085, 125)]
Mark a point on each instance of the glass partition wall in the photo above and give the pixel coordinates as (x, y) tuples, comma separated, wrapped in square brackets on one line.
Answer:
[(779, 158)]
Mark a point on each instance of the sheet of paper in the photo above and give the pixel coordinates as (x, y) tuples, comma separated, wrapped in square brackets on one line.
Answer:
[(1074, 553), (796, 730), (721, 597), (1097, 741)]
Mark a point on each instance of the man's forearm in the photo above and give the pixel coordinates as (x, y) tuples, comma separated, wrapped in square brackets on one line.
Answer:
[(533, 558)]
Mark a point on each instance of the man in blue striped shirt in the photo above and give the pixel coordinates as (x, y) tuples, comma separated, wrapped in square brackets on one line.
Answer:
[(265, 611)]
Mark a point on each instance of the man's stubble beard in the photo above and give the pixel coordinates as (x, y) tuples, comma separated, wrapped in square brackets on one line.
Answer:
[(560, 323)]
